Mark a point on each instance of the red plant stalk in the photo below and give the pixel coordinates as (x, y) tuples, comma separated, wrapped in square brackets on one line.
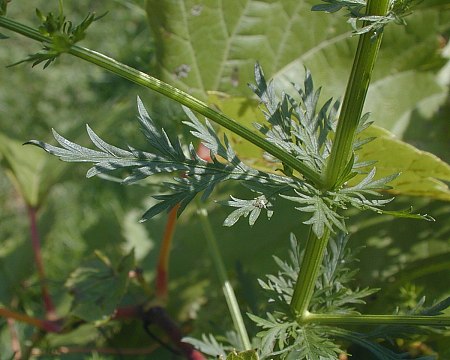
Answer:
[(158, 315), (128, 312), (50, 312), (46, 325), (162, 269), (66, 350), (164, 255)]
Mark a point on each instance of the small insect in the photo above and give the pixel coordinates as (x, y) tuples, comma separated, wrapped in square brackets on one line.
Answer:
[(261, 202), (182, 71), (235, 77), (196, 10)]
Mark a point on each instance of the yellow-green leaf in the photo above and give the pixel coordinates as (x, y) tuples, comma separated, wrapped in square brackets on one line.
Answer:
[(26, 166), (244, 355), (421, 171)]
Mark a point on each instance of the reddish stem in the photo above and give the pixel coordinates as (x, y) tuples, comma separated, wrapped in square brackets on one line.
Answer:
[(65, 350), (46, 325), (50, 312), (164, 255), (156, 315), (159, 316), (128, 312)]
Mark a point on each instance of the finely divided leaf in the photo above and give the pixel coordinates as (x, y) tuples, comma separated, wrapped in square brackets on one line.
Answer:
[(194, 175), (322, 213), (246, 208), (208, 345), (297, 127), (158, 138)]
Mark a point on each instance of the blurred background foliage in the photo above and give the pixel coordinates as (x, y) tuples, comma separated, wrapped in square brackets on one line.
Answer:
[(409, 96)]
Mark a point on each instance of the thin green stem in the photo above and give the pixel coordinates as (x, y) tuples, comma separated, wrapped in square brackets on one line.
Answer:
[(412, 320), (355, 95), (228, 291), (173, 93), (309, 270)]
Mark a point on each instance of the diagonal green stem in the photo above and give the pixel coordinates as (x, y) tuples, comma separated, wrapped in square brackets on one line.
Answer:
[(412, 320), (173, 93), (227, 289), (341, 152), (355, 95)]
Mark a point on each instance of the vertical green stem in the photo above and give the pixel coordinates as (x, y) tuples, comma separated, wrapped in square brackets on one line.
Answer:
[(310, 267), (341, 152), (354, 98), (228, 291)]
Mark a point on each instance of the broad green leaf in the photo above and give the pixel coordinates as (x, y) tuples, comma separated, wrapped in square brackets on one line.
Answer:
[(29, 169), (421, 172), (244, 355), (213, 45), (98, 287)]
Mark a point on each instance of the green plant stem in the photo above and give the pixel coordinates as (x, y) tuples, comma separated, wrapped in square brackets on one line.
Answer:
[(354, 98), (228, 291), (173, 93), (309, 270), (341, 152), (330, 319)]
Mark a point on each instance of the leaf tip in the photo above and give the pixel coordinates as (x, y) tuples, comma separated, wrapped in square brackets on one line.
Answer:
[(37, 143)]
